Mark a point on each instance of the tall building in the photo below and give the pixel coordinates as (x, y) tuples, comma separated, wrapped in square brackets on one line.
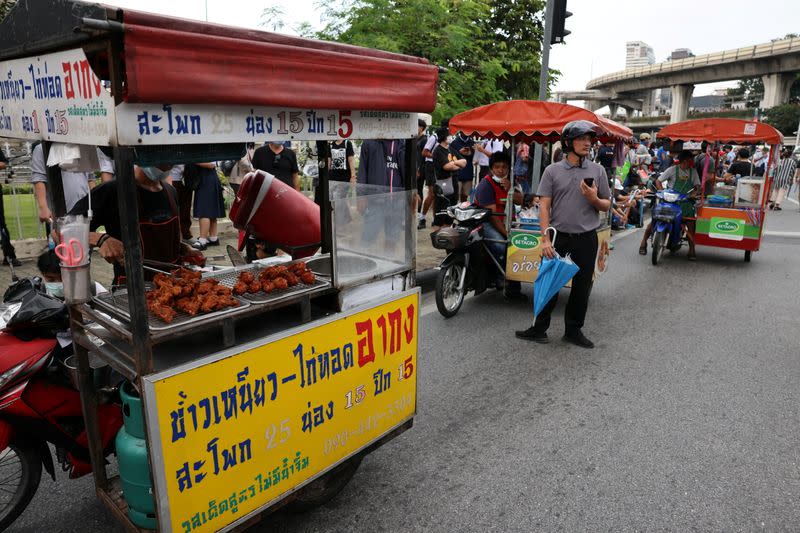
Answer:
[(638, 54), (680, 53)]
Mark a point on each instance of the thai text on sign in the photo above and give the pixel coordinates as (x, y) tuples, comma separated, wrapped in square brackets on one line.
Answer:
[(55, 97), (238, 432)]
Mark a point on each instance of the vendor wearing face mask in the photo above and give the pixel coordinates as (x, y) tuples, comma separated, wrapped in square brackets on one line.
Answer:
[(492, 193), (159, 227)]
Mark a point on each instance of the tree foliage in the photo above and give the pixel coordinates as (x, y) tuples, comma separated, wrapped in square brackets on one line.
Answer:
[(489, 48), (5, 7), (784, 118)]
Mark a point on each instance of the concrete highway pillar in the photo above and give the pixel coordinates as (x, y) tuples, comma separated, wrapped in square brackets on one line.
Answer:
[(613, 108), (776, 88), (681, 96), (649, 103), (592, 105)]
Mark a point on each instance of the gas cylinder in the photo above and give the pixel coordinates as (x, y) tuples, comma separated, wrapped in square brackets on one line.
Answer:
[(134, 463)]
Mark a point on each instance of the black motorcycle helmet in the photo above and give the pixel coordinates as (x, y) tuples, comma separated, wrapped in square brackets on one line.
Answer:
[(576, 128)]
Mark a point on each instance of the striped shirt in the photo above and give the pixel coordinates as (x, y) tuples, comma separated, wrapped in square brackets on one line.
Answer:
[(785, 173)]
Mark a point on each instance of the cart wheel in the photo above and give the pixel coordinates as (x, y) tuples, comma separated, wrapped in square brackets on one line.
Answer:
[(324, 489), (747, 255), (448, 296), (659, 241), (21, 471)]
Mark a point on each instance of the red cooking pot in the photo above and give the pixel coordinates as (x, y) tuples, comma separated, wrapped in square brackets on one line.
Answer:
[(272, 211)]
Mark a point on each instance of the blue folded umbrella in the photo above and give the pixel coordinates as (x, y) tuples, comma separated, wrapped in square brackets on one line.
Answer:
[(553, 274)]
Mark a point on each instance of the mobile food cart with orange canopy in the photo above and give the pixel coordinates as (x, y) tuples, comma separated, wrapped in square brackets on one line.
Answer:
[(277, 396), (730, 216), (517, 121)]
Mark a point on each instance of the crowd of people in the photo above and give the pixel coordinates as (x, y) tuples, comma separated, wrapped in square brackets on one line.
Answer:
[(450, 169)]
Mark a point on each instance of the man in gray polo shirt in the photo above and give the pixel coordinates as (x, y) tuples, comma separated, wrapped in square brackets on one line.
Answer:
[(573, 192)]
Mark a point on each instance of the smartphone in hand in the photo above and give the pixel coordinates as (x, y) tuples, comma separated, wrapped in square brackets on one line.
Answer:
[(588, 181)]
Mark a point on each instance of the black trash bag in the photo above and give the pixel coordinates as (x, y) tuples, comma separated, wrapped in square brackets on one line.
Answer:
[(40, 316), (17, 290)]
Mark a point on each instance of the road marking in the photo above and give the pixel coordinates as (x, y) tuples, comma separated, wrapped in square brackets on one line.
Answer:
[(791, 234), (431, 307)]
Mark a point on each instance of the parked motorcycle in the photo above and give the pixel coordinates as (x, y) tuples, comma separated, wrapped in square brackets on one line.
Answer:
[(469, 264), (668, 232), (40, 404)]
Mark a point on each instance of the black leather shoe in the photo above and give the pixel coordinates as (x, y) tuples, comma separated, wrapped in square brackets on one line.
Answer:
[(514, 296), (16, 262), (531, 335), (578, 339)]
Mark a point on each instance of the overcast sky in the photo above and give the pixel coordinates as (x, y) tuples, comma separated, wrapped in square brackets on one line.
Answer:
[(599, 29)]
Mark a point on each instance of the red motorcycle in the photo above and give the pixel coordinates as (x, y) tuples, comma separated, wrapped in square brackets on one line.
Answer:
[(39, 405)]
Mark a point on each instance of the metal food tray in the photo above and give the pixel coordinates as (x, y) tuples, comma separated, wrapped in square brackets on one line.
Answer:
[(117, 305), (229, 278)]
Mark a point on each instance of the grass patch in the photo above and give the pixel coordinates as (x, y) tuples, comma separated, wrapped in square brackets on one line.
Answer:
[(25, 204)]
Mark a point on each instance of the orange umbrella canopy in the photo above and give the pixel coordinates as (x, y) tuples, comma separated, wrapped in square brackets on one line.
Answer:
[(530, 120), (722, 130)]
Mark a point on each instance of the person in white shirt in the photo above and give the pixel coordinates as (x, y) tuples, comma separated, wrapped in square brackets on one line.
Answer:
[(76, 184), (484, 152)]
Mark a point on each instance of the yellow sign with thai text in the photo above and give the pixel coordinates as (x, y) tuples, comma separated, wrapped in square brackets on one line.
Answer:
[(235, 434)]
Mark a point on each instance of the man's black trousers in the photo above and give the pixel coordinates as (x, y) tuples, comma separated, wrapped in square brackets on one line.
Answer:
[(582, 249)]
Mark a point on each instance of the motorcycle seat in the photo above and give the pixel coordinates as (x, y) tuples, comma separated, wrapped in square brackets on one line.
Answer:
[(14, 351)]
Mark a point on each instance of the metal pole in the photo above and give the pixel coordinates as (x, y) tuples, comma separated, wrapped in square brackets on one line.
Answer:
[(797, 137), (511, 180), (16, 211), (548, 30)]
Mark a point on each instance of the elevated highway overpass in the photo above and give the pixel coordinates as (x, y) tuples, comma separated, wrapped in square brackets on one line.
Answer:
[(777, 63)]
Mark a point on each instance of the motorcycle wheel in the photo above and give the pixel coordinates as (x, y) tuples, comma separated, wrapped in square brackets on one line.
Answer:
[(448, 296), (659, 241), (324, 489), (747, 255), (20, 472)]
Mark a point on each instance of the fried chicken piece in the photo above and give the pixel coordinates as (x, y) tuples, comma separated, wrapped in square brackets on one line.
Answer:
[(208, 303), (280, 284), (291, 279), (273, 272), (189, 275), (254, 287), (222, 290), (166, 314), (188, 287), (247, 277), (240, 287), (228, 302), (308, 277), (207, 286), (188, 305), (298, 268), (267, 286)]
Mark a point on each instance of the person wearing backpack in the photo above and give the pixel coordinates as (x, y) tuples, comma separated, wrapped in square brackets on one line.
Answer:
[(241, 168)]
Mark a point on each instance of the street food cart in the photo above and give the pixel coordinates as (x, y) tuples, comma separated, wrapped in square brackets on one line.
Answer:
[(730, 216), (280, 396), (526, 121)]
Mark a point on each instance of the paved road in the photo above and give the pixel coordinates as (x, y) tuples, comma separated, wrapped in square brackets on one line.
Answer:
[(685, 416)]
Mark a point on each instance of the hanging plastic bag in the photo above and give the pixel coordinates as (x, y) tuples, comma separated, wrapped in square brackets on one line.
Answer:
[(622, 172)]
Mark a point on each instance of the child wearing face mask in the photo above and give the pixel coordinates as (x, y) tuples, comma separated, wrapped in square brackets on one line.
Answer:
[(50, 269)]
